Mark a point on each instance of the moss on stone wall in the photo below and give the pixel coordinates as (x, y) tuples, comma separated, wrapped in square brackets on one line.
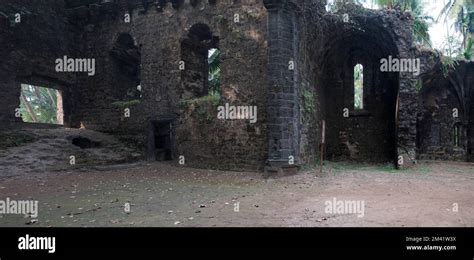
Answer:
[(308, 102), (204, 107), (125, 104)]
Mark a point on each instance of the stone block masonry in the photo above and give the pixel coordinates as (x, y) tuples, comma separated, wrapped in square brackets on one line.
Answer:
[(290, 61)]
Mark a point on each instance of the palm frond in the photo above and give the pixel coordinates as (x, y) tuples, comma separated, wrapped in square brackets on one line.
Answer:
[(468, 51), (214, 62)]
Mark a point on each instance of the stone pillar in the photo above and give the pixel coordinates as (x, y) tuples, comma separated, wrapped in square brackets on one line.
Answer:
[(282, 98), (406, 124)]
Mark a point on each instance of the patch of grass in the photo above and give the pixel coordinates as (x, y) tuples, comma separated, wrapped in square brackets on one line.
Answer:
[(214, 98), (423, 170), (346, 165), (386, 168)]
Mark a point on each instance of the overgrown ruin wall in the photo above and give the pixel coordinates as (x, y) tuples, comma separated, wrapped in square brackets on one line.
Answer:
[(290, 58), (445, 120), (162, 37), (29, 47), (331, 47)]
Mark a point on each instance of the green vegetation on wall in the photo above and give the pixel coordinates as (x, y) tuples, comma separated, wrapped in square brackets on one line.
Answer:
[(308, 101)]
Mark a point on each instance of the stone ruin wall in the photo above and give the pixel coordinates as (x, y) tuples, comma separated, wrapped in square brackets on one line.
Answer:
[(256, 52)]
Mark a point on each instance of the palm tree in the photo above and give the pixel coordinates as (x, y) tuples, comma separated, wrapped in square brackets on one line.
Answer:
[(421, 22), (463, 13)]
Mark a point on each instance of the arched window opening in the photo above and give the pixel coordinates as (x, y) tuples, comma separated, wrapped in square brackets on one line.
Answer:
[(201, 57), (126, 59)]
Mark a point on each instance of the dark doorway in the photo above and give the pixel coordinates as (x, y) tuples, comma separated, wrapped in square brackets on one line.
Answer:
[(161, 140)]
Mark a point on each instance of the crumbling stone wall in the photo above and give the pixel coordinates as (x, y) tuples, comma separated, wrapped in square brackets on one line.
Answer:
[(444, 125), (326, 49), (163, 36), (290, 58), (28, 50), (332, 46), (310, 92)]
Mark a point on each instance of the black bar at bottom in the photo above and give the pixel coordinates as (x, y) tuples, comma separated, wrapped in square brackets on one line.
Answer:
[(438, 242)]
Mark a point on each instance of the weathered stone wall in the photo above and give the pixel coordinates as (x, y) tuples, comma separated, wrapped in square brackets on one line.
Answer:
[(158, 34), (28, 51), (366, 134), (445, 115), (291, 59), (311, 100), (407, 110), (332, 47)]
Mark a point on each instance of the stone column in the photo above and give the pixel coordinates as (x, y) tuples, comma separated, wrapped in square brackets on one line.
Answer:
[(406, 124), (282, 102)]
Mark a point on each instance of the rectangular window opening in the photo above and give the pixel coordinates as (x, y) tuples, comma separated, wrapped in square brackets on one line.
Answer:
[(358, 87), (214, 76), (41, 105)]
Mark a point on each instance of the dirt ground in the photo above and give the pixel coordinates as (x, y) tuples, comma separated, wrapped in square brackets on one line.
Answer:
[(161, 194)]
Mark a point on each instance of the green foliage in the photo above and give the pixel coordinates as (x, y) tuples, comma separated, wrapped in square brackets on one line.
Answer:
[(451, 9), (447, 63), (203, 106), (358, 86), (219, 18), (463, 13), (38, 104), (128, 103), (213, 98), (420, 30), (131, 98), (420, 26), (214, 86), (308, 101), (468, 51), (419, 85), (214, 79)]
